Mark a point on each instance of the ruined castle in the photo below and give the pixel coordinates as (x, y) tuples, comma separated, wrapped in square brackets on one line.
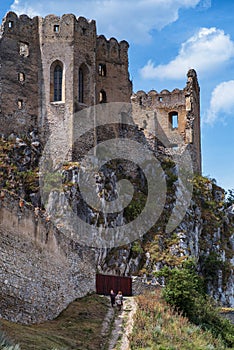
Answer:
[(53, 67)]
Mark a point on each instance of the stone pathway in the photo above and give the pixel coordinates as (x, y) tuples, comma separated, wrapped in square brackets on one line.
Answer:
[(122, 326)]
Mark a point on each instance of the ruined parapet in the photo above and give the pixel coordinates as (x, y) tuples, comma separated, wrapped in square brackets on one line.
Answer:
[(172, 116), (111, 49), (113, 84), (192, 129), (22, 25), (163, 104)]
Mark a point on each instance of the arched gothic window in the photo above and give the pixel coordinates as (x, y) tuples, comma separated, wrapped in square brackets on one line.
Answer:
[(102, 97), (58, 79)]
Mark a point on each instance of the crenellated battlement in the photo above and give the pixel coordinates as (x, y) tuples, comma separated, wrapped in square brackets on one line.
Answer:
[(163, 99), (112, 49), (68, 25), (22, 25)]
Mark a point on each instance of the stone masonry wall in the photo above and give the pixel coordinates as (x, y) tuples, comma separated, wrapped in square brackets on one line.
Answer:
[(153, 112), (115, 82), (19, 61), (42, 270)]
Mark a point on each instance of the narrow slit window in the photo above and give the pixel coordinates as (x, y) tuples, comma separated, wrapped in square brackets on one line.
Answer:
[(20, 104), (21, 77), (81, 86), (10, 24), (102, 97), (102, 70), (58, 73), (173, 120), (56, 28)]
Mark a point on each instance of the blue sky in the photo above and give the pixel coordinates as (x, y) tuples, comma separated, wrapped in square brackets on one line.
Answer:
[(167, 37)]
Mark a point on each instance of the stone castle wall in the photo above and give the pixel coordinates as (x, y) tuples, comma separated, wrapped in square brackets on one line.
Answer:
[(154, 113), (19, 63), (31, 49), (94, 70), (42, 270)]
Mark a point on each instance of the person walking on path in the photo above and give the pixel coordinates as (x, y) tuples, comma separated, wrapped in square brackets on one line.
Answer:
[(112, 297), (119, 300)]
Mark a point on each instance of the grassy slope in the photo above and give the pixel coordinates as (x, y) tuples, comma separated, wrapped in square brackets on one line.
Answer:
[(77, 327), (158, 327)]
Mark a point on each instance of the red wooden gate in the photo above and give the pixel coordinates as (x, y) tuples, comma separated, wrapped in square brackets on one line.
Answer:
[(104, 283)]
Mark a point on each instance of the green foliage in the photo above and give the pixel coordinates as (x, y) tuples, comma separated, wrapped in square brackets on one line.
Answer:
[(158, 327), (211, 265), (183, 286), (133, 210), (168, 166), (185, 291), (137, 248)]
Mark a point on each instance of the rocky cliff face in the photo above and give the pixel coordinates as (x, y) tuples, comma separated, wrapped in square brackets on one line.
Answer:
[(205, 233), (43, 267)]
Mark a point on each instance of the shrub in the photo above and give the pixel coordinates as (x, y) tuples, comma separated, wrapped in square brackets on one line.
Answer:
[(185, 291), (158, 327)]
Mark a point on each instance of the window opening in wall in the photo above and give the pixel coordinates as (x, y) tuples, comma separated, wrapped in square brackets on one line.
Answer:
[(83, 31), (173, 119), (102, 97), (20, 104), (58, 73), (56, 28), (102, 70), (24, 49), (81, 86), (21, 77), (160, 99), (175, 147), (10, 24)]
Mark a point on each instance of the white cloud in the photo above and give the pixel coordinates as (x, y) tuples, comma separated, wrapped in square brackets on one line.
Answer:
[(206, 50), (221, 103), (131, 20)]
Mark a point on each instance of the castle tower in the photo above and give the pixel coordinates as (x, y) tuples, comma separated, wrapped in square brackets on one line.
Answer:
[(53, 67), (173, 113), (112, 78), (19, 62)]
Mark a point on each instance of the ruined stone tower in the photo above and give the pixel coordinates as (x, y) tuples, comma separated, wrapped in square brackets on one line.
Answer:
[(52, 67), (175, 113)]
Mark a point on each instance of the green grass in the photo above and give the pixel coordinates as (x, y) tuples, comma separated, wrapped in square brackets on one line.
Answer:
[(158, 327), (78, 327)]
